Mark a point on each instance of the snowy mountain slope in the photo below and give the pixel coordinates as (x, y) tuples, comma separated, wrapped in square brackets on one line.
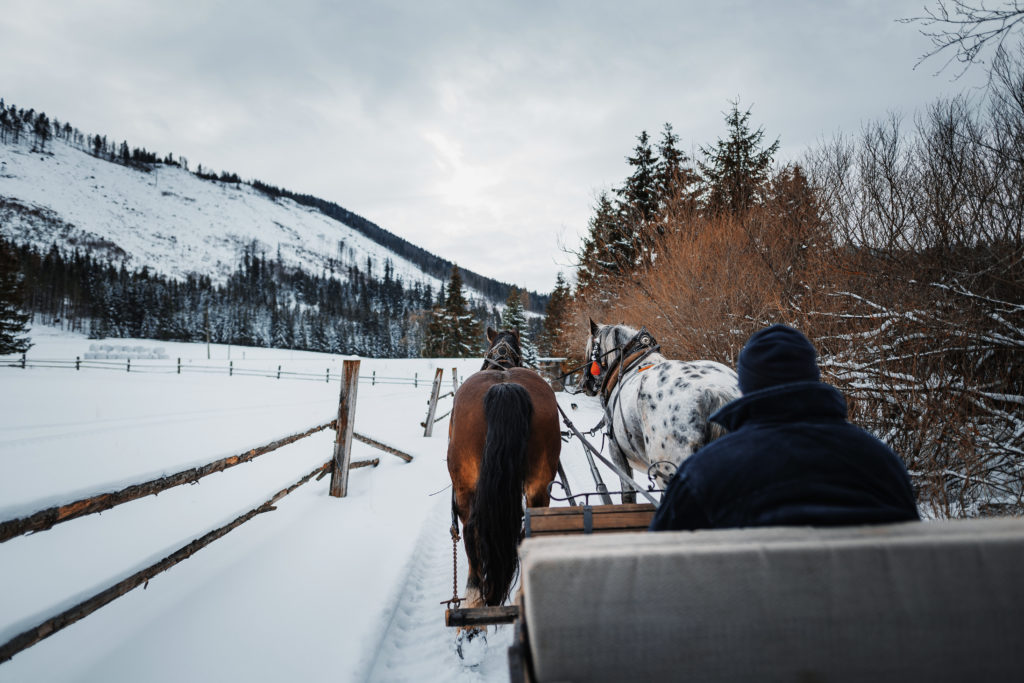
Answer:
[(170, 220)]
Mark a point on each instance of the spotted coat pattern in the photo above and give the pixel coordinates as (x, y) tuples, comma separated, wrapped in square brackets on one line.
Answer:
[(658, 410)]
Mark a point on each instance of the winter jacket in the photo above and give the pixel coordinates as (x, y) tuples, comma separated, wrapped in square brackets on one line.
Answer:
[(791, 458)]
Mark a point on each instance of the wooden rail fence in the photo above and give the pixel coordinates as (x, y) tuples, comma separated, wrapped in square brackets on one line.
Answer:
[(46, 519), (176, 366), (435, 390)]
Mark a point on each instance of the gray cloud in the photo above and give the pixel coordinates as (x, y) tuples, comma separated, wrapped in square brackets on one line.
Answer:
[(480, 131)]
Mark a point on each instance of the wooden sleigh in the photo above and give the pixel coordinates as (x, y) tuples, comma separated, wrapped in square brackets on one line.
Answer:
[(930, 601), (544, 522)]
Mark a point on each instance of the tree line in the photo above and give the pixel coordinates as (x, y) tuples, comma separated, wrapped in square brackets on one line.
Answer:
[(899, 251), (262, 303), (355, 310)]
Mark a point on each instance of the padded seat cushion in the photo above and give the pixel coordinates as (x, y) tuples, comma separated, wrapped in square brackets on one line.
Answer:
[(928, 601)]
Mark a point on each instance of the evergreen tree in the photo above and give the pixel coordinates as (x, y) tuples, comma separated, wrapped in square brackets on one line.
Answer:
[(637, 207), (674, 177), (551, 344), (607, 250), (514, 318), (639, 195), (41, 130), (13, 318), (736, 170), (453, 331)]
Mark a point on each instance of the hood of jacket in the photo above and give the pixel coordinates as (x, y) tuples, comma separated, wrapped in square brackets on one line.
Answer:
[(793, 402)]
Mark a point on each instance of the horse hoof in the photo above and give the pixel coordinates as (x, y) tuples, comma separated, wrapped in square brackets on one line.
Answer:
[(471, 646)]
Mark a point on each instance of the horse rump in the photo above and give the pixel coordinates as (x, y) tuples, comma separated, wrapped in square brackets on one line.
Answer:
[(495, 519)]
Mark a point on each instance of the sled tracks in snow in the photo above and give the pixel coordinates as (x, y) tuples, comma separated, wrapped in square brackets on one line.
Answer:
[(416, 645)]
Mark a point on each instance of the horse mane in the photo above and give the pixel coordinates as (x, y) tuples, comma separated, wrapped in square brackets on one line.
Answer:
[(620, 335)]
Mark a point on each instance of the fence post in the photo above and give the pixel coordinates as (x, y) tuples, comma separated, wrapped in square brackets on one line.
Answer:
[(279, 372), (346, 421), (455, 380), (373, 379), (428, 428), (78, 362), (328, 375), (231, 368), (415, 376), (129, 365), (179, 366)]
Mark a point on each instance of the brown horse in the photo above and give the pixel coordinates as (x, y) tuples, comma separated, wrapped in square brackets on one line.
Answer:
[(503, 445)]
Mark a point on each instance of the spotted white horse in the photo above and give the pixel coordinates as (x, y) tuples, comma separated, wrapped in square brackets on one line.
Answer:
[(656, 409)]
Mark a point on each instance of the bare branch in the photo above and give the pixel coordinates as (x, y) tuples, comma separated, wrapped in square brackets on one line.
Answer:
[(966, 30)]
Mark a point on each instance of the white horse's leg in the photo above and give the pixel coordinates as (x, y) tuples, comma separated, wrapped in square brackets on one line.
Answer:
[(619, 458)]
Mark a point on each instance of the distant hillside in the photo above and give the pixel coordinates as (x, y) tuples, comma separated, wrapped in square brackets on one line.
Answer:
[(130, 205)]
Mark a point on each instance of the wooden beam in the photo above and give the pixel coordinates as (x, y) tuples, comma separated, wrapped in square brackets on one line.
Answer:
[(481, 616), (46, 519), (363, 463), (428, 425), (603, 518), (384, 447), (346, 421)]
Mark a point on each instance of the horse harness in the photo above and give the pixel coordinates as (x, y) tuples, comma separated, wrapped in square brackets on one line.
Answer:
[(631, 355)]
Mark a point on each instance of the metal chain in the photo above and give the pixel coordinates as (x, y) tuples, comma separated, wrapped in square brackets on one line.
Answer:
[(456, 600)]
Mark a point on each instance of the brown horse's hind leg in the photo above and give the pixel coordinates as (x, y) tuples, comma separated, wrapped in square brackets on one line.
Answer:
[(537, 495), (472, 596), (470, 640), (541, 475)]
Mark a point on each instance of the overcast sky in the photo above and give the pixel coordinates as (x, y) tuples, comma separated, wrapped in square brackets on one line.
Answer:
[(481, 131)]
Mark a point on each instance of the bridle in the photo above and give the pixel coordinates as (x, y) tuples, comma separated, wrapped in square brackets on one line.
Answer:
[(630, 355), (503, 355)]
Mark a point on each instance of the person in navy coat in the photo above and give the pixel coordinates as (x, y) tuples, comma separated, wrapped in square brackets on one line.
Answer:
[(790, 457)]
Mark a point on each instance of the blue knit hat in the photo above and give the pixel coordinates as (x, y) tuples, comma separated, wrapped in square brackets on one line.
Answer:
[(776, 355)]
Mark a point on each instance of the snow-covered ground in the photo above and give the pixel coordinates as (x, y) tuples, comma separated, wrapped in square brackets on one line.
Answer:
[(320, 589)]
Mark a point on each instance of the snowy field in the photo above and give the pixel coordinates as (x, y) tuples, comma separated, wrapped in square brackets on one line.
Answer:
[(320, 589)]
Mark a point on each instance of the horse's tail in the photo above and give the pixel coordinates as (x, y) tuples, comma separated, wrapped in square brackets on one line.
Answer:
[(716, 400), (495, 519)]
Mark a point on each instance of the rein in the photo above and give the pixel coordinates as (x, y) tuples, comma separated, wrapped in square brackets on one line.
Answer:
[(615, 468)]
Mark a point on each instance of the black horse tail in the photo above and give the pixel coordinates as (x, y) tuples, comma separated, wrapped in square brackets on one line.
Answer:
[(495, 519)]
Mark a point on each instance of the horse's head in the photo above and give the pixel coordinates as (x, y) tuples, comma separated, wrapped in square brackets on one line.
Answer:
[(603, 348), (504, 350)]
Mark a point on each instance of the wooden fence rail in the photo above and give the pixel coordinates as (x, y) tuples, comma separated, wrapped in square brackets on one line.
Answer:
[(175, 366), (45, 519), (83, 609)]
